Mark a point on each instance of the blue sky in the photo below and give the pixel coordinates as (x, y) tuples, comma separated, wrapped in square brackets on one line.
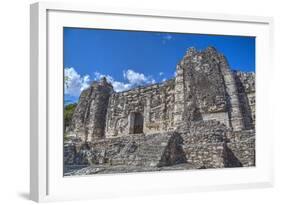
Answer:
[(132, 58)]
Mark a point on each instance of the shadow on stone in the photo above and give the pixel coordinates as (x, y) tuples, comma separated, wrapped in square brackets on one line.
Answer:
[(230, 159), (174, 153)]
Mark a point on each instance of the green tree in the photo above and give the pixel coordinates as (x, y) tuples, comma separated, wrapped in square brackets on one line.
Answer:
[(67, 114)]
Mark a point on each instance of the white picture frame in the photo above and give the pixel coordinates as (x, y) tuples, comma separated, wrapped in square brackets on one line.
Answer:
[(46, 179)]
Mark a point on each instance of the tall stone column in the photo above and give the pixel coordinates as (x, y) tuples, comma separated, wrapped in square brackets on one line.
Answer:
[(179, 97), (96, 119), (146, 114), (89, 118), (235, 114)]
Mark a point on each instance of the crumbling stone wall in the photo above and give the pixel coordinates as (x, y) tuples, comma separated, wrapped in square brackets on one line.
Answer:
[(204, 143), (206, 89), (155, 103), (202, 72), (205, 117), (242, 145), (210, 144), (246, 91), (88, 121)]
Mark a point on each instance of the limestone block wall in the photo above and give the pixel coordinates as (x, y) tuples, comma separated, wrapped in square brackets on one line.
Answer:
[(79, 116), (206, 89), (205, 145), (242, 145), (244, 151), (246, 91), (201, 93), (154, 104), (204, 132), (206, 155), (234, 108), (222, 117), (88, 121), (180, 102)]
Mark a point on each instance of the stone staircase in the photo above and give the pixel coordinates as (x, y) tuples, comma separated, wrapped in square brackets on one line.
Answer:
[(151, 151)]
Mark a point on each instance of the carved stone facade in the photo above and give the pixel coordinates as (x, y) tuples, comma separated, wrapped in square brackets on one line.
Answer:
[(204, 117), (150, 108)]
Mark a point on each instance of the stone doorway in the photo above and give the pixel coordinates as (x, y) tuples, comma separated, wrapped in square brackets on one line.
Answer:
[(136, 123)]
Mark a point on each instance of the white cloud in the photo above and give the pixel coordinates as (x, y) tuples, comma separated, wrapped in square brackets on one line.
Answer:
[(161, 73), (98, 76), (118, 86), (133, 79), (74, 83), (136, 78), (85, 82)]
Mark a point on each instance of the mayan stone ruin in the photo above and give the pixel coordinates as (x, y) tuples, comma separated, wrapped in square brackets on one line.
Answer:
[(204, 117)]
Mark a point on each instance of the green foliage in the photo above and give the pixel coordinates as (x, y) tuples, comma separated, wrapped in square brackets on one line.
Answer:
[(67, 114)]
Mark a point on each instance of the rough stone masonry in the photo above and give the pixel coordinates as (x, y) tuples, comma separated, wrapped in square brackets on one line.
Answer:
[(204, 117)]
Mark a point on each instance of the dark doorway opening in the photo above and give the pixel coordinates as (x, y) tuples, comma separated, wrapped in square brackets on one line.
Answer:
[(138, 123)]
